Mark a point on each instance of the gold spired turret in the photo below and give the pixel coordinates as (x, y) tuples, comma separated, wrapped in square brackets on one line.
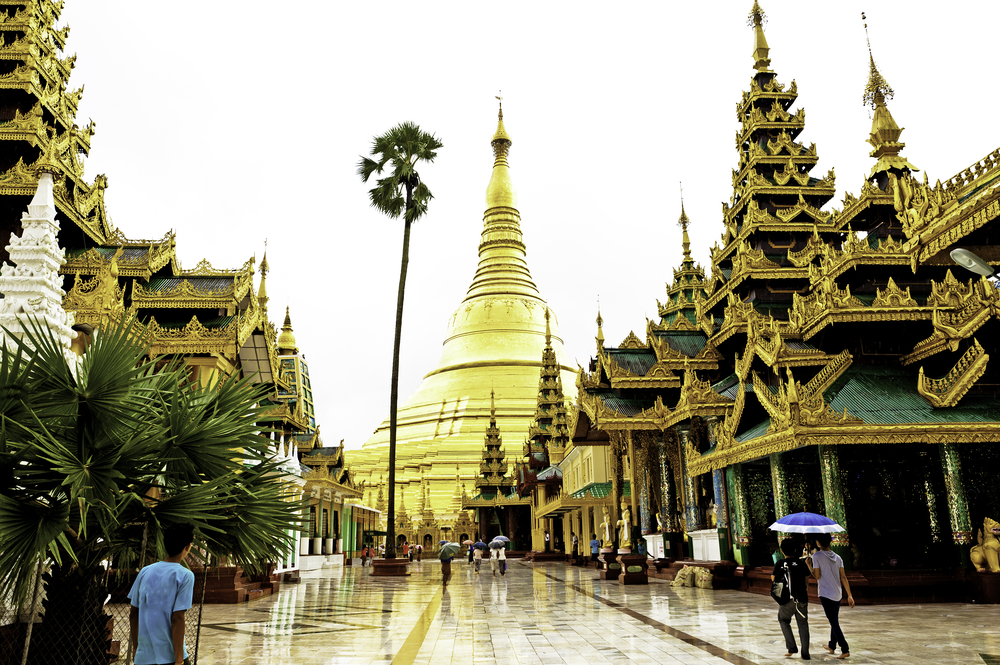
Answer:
[(495, 340), (286, 340), (756, 20), (884, 137)]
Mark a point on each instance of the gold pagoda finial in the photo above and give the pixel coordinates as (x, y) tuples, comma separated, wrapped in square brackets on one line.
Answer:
[(548, 328), (286, 340), (493, 405), (500, 192), (885, 133), (756, 20), (877, 90), (600, 322), (264, 269), (48, 162)]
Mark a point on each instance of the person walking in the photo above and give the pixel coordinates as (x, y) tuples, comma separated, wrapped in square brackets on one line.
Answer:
[(477, 558), (406, 550), (446, 570), (494, 560), (471, 548), (595, 549), (160, 597), (793, 571), (828, 569), (502, 560), (547, 541), (576, 542), (420, 552)]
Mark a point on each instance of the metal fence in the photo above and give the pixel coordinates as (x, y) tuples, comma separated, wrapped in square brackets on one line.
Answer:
[(77, 617)]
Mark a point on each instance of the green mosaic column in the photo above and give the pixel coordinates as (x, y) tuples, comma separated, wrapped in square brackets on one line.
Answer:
[(958, 505), (779, 488), (833, 497), (931, 497), (672, 535), (739, 515)]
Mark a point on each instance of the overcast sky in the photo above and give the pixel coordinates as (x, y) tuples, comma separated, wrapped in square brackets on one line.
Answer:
[(232, 122)]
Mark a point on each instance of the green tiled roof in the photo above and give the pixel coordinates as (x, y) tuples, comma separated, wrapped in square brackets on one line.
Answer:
[(600, 491), (637, 361), (757, 430), (888, 396), (197, 283), (688, 343), (129, 253), (730, 385), (626, 407)]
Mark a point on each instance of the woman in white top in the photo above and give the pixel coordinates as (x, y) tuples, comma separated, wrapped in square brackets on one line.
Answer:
[(498, 561), (477, 558)]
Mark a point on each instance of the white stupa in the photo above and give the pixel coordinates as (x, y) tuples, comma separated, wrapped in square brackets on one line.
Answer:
[(32, 287)]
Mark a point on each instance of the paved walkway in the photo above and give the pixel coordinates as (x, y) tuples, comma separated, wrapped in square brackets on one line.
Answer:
[(552, 613)]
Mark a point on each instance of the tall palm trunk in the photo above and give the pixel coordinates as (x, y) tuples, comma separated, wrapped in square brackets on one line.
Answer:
[(390, 538)]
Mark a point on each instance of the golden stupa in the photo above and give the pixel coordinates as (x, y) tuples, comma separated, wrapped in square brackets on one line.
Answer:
[(495, 341)]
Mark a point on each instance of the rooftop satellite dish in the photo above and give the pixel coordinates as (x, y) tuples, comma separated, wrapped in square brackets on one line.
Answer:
[(971, 262)]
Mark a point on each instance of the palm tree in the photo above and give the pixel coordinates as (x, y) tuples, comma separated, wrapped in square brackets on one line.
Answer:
[(96, 461), (400, 191)]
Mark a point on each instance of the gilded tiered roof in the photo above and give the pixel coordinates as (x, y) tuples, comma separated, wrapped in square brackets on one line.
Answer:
[(493, 467)]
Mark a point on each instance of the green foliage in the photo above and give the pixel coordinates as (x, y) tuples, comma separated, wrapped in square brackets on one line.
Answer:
[(88, 457), (396, 154)]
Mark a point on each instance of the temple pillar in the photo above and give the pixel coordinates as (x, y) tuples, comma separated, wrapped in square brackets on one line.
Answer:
[(668, 499), (739, 504), (719, 489), (958, 505), (633, 476), (779, 488), (692, 517), (930, 496), (642, 477), (833, 498), (616, 484)]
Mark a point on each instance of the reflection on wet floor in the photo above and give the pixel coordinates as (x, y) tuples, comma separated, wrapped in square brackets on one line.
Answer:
[(552, 613)]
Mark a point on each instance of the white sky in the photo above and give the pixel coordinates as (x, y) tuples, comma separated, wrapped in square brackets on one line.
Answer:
[(235, 121)]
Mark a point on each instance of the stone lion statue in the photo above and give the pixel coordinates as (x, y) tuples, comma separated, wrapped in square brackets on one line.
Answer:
[(986, 555)]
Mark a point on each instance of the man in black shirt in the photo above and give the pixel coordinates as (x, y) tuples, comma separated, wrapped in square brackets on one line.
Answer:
[(793, 571)]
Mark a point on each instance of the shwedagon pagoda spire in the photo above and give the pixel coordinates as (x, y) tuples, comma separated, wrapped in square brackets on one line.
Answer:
[(494, 341)]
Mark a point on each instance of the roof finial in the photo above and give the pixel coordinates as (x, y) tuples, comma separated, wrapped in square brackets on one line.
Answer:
[(683, 223), (600, 322), (501, 140), (877, 90), (548, 328), (493, 404), (499, 97), (756, 20)]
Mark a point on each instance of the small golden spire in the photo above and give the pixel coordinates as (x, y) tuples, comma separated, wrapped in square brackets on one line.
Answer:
[(493, 405), (683, 222), (500, 192), (48, 162), (286, 340), (600, 322), (756, 20), (548, 329), (877, 90), (885, 133), (264, 269)]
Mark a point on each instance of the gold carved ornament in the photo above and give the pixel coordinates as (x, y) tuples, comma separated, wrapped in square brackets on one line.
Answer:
[(950, 389)]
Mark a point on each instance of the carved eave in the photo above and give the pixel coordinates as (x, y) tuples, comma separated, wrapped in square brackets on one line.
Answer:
[(960, 309), (829, 304), (204, 287), (855, 205), (193, 338), (950, 389), (956, 222), (151, 256), (772, 90), (844, 434)]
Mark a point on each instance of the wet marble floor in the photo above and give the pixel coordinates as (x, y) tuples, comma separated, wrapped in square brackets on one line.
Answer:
[(552, 613)]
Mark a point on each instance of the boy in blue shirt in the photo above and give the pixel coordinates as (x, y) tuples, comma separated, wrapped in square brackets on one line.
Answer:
[(160, 597)]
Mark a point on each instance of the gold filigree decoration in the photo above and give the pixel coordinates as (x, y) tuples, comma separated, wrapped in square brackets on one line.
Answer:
[(950, 389), (893, 296), (632, 342)]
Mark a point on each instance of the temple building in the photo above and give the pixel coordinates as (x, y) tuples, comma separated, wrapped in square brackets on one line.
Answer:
[(214, 320), (493, 346), (833, 361)]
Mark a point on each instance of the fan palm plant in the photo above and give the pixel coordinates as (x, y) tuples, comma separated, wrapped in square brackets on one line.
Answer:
[(400, 191), (96, 460)]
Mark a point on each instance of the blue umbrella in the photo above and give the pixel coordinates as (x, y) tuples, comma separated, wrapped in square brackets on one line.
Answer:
[(502, 539), (442, 542), (481, 545), (806, 523)]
